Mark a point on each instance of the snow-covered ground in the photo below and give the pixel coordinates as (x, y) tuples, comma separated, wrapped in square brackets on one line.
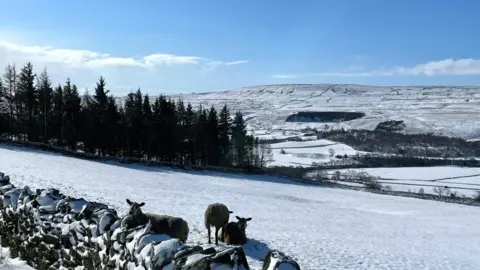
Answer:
[(453, 111), (463, 180), (321, 228), (7, 263), (304, 153)]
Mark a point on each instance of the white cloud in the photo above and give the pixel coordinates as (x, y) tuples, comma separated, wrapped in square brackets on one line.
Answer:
[(169, 59), (284, 76), (447, 67), (212, 65), (158, 71), (91, 59), (237, 62)]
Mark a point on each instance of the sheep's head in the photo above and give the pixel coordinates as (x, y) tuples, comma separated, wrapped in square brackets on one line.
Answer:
[(135, 207), (242, 223)]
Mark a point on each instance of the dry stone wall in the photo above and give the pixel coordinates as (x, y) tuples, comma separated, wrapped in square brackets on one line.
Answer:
[(52, 231)]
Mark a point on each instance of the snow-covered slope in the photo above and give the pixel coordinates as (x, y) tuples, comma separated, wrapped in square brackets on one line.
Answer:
[(453, 111), (320, 227), (462, 180), (304, 153)]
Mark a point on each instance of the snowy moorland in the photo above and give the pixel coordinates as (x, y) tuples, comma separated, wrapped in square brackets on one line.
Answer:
[(464, 181), (322, 228), (451, 111)]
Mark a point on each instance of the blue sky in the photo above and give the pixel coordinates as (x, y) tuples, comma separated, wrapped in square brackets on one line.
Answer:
[(197, 46)]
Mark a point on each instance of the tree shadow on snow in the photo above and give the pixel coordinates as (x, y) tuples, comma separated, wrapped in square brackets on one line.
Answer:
[(169, 170), (28, 150), (211, 173)]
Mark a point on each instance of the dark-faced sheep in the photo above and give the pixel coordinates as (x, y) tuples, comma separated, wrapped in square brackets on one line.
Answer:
[(216, 215), (174, 227), (234, 232)]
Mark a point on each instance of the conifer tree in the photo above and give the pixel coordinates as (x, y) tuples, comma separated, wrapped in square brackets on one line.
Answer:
[(239, 140), (212, 137), (27, 100), (224, 133), (45, 100), (147, 126), (57, 114), (189, 142), (71, 116)]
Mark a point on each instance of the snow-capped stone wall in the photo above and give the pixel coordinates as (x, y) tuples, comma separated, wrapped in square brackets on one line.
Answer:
[(51, 231)]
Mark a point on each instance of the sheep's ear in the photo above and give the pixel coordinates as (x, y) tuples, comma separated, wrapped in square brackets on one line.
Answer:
[(248, 219), (142, 204), (129, 202), (239, 218)]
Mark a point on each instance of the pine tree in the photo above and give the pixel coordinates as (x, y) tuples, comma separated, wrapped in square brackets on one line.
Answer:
[(201, 137), (139, 124), (129, 120), (239, 140), (213, 148), (88, 120), (181, 134), (99, 123), (189, 126), (134, 118), (147, 126), (27, 100), (114, 130), (71, 116), (224, 133), (122, 132), (57, 115), (45, 99)]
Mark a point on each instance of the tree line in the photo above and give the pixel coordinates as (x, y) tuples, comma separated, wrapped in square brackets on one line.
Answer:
[(33, 109)]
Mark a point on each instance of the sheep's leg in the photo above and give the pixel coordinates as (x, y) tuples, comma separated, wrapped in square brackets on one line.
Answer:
[(208, 228), (216, 235)]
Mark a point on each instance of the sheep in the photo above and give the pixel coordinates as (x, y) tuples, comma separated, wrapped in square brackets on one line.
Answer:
[(234, 232), (216, 215), (174, 227)]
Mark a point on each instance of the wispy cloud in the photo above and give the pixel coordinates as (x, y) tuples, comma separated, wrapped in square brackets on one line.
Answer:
[(284, 76), (158, 71), (446, 67), (90, 59), (237, 62), (212, 65)]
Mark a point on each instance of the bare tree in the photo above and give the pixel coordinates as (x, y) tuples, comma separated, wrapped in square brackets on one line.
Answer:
[(264, 154), (331, 152), (10, 81)]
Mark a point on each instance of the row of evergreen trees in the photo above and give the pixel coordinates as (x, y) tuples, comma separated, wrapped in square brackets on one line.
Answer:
[(31, 109)]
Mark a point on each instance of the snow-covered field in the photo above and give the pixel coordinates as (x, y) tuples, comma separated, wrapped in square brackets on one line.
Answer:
[(7, 263), (453, 111), (304, 153), (463, 180), (322, 228)]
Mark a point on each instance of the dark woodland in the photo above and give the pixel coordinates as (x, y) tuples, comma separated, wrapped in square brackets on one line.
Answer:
[(33, 109)]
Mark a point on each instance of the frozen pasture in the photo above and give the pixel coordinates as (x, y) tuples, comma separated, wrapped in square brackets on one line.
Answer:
[(463, 180), (304, 153), (321, 228)]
